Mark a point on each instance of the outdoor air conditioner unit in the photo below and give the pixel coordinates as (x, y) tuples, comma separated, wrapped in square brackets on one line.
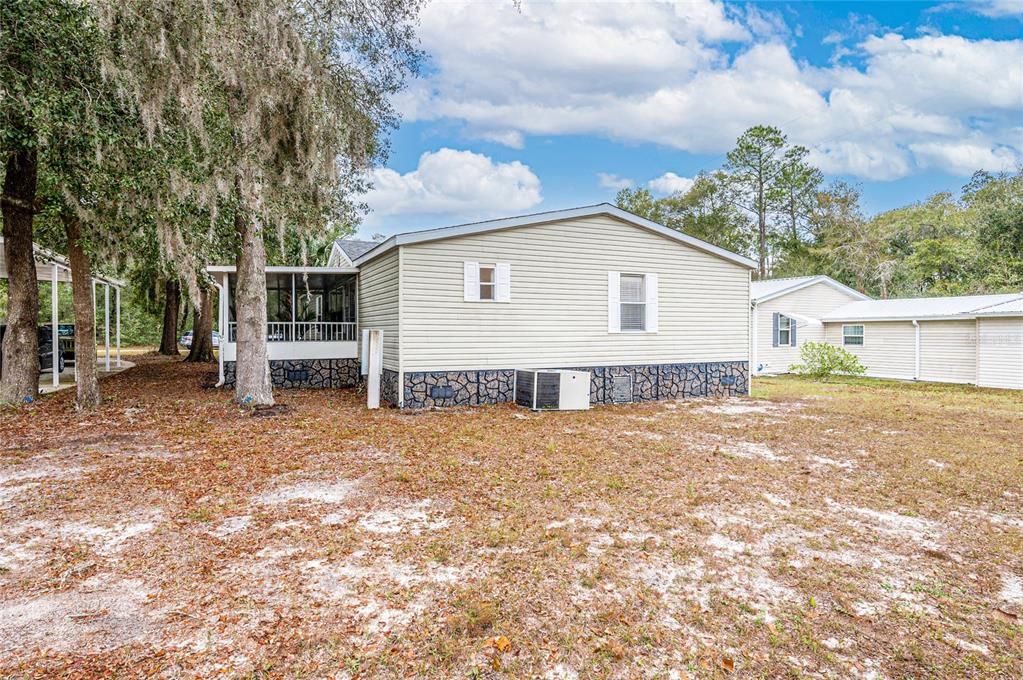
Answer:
[(552, 390)]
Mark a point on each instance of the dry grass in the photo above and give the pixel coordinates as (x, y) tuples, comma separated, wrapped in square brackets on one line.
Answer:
[(854, 530)]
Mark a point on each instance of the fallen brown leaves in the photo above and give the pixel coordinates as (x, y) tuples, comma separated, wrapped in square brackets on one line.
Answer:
[(830, 530)]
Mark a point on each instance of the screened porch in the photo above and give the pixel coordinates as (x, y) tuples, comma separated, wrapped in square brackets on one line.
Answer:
[(304, 307), (312, 312)]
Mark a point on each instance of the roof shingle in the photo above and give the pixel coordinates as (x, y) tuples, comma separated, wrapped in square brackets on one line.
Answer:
[(355, 249)]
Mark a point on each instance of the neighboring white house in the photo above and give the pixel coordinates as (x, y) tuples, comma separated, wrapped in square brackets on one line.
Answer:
[(971, 339), (785, 313), (648, 311), (1000, 345)]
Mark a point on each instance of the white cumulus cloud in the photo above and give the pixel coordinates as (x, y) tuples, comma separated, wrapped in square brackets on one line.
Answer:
[(966, 157), (453, 182), (670, 183), (611, 181), (692, 75), (998, 8)]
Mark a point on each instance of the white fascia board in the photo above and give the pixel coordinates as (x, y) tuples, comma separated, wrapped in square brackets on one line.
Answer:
[(553, 216), (827, 280), (988, 315), (231, 269), (876, 319)]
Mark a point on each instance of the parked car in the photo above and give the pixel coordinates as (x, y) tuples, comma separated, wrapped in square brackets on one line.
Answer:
[(186, 340), (66, 338), (45, 349)]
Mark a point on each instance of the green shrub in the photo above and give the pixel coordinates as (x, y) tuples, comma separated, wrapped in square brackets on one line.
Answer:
[(822, 360)]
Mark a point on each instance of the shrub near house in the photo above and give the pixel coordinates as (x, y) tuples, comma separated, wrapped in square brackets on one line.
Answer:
[(822, 360)]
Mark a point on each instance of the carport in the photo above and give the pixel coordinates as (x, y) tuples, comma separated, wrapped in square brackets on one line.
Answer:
[(55, 269)]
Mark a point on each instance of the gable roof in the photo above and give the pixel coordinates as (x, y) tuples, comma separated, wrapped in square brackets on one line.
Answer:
[(908, 309), (551, 216), (353, 249), (762, 291)]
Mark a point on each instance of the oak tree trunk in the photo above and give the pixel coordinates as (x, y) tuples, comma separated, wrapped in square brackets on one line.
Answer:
[(202, 330), (19, 381), (87, 382), (183, 312), (171, 302), (252, 369)]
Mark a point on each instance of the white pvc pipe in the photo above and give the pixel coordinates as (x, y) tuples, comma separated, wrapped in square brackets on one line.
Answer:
[(55, 337)]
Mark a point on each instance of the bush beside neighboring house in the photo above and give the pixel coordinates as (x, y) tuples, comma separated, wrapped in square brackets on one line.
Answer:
[(822, 360)]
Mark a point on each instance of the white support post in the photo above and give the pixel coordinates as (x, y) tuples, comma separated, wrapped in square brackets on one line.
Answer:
[(374, 357), (106, 325), (117, 316), (222, 325), (227, 310), (294, 311), (55, 336)]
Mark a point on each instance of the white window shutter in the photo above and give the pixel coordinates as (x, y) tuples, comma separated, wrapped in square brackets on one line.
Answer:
[(651, 302), (503, 282), (614, 302), (472, 281)]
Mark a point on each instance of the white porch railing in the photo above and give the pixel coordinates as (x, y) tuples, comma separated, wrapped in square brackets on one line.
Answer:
[(303, 331)]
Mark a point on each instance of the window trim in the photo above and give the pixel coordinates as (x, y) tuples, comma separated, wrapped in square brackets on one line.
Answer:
[(492, 284), (862, 335), (499, 286), (622, 303), (788, 329)]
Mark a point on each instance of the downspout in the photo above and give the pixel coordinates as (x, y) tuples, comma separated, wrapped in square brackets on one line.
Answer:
[(754, 341), (916, 364), (751, 335)]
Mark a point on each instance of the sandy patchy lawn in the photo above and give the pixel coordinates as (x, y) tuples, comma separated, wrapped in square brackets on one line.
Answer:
[(864, 530)]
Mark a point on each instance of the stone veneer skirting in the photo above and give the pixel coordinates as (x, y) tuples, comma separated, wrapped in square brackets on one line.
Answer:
[(310, 373), (389, 386), (649, 382)]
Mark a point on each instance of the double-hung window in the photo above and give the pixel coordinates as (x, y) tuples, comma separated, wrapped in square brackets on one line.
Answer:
[(852, 335), (633, 291), (632, 303), (784, 330)]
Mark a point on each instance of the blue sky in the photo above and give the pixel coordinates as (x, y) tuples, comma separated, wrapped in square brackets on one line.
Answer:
[(553, 105)]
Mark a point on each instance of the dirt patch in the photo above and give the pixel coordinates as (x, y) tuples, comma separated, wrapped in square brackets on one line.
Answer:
[(415, 518), (100, 614), (327, 492)]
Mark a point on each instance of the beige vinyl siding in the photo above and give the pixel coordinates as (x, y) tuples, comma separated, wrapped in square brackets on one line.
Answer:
[(948, 351), (378, 302), (813, 301), (888, 350), (558, 313), (1000, 353)]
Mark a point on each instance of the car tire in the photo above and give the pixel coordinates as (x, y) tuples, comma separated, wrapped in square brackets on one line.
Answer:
[(60, 364)]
